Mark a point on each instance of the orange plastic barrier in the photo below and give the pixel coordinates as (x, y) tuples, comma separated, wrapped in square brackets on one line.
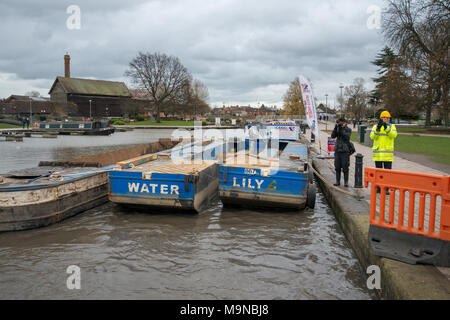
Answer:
[(424, 184)]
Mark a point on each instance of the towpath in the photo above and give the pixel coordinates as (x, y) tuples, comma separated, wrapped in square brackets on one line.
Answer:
[(398, 164)]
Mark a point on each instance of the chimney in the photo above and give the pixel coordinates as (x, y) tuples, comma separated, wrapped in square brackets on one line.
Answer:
[(67, 65)]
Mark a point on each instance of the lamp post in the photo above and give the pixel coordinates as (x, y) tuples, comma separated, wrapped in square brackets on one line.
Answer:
[(90, 109), (31, 115), (341, 86), (326, 111)]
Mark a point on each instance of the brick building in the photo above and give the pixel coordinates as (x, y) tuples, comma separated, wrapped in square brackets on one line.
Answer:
[(99, 98)]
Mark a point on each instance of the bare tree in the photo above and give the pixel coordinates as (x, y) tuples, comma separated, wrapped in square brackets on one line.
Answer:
[(162, 76), (357, 97), (419, 29)]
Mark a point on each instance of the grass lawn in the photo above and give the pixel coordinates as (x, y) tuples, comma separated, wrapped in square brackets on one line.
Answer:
[(410, 129), (436, 147), (354, 137), (7, 126), (162, 123)]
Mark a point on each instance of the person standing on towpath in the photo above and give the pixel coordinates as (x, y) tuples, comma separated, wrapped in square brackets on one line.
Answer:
[(383, 135), (342, 150)]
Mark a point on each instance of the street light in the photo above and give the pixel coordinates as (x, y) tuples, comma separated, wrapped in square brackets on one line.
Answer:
[(341, 86), (90, 109), (31, 115), (326, 111)]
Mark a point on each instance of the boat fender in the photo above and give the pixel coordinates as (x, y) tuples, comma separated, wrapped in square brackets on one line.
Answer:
[(310, 176), (311, 196)]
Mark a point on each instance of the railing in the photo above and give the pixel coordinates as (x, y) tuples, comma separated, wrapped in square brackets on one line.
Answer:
[(433, 187)]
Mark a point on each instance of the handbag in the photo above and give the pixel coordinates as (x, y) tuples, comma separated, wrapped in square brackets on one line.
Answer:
[(351, 147)]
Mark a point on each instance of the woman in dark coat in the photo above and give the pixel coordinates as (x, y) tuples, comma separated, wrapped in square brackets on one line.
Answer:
[(341, 150)]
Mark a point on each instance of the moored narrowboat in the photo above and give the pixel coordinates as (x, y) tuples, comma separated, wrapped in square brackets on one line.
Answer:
[(102, 127)]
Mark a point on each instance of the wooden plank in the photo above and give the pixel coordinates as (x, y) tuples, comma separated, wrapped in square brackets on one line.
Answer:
[(137, 161)]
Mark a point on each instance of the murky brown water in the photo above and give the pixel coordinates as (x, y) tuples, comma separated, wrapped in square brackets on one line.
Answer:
[(221, 253)]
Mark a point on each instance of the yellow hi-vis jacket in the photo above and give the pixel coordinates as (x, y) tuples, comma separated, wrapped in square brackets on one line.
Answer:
[(383, 142)]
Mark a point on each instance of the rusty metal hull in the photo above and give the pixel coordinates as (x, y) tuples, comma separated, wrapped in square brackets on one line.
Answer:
[(37, 197), (30, 216)]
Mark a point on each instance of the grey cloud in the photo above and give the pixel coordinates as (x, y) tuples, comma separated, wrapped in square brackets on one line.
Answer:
[(236, 48)]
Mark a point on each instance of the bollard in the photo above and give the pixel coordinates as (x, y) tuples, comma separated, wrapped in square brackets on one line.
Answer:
[(359, 170)]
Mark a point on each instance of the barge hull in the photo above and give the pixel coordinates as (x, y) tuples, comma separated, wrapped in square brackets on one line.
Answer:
[(43, 214), (193, 191), (262, 200)]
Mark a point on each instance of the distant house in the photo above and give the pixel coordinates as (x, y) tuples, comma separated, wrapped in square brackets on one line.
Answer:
[(15, 97), (140, 94), (21, 105), (245, 111), (325, 111)]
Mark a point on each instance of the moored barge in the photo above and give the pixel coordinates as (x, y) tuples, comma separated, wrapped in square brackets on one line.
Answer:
[(183, 178), (283, 180), (54, 191)]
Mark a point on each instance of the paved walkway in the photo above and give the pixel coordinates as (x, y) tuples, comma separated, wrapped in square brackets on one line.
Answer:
[(399, 164)]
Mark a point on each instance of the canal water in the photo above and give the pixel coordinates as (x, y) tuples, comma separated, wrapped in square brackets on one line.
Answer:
[(220, 253)]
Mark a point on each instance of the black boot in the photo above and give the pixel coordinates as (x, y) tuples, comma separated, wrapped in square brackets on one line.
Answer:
[(346, 178), (338, 178)]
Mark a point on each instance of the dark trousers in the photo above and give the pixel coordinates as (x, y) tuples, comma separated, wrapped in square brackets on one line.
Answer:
[(341, 162), (383, 164)]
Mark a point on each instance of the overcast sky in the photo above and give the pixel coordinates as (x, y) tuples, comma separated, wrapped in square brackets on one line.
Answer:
[(244, 51)]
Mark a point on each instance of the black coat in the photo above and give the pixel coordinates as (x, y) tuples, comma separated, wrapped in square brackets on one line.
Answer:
[(343, 138)]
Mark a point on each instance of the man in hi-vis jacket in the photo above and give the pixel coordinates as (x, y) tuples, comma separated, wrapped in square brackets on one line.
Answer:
[(383, 135)]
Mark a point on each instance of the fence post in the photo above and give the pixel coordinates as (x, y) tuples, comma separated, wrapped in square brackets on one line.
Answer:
[(359, 170)]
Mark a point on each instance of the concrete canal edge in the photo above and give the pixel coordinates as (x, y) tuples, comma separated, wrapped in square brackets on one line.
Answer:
[(398, 280)]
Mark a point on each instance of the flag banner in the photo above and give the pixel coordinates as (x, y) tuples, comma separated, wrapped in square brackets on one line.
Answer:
[(310, 106)]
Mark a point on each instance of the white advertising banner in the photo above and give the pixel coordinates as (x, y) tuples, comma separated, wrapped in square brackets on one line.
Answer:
[(310, 106), (217, 121)]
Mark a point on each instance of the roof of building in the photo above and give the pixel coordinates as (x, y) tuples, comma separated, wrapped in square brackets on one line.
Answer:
[(27, 98), (140, 94), (92, 87)]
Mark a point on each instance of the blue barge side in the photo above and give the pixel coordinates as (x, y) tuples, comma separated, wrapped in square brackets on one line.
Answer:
[(284, 181), (185, 177)]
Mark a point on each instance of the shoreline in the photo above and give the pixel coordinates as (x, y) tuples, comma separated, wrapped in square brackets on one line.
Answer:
[(398, 280)]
